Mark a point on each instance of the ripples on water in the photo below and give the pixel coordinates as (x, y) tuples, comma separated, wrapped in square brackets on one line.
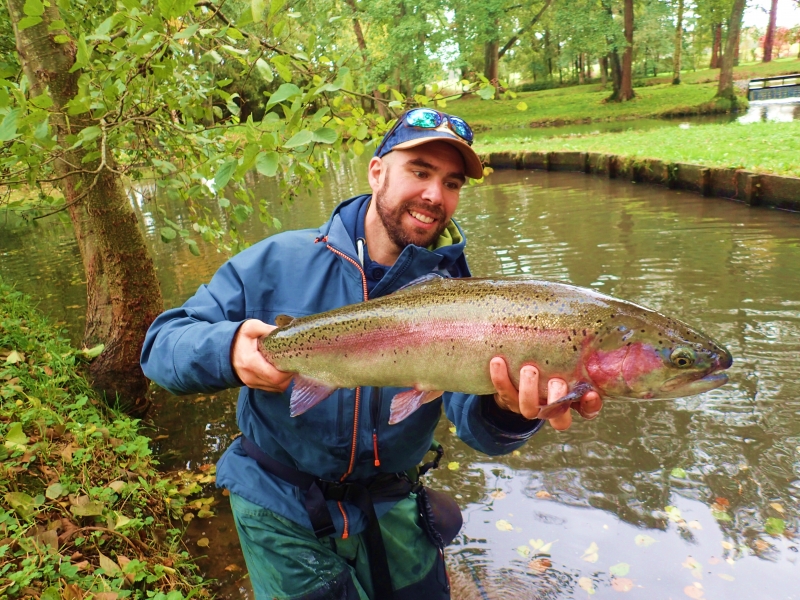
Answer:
[(732, 271)]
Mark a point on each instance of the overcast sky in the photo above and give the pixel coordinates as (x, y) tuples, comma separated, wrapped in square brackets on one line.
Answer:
[(757, 13)]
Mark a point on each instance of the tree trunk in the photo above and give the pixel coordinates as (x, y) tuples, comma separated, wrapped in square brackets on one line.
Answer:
[(769, 39), (716, 47), (725, 89), (676, 55), (362, 46), (491, 61), (626, 78), (123, 294), (616, 75), (604, 70)]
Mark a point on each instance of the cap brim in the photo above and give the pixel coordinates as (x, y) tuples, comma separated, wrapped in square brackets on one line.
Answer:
[(472, 164)]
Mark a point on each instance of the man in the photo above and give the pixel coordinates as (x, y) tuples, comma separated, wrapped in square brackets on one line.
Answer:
[(319, 507)]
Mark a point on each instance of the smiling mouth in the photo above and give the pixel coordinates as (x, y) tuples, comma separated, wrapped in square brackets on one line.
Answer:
[(422, 218)]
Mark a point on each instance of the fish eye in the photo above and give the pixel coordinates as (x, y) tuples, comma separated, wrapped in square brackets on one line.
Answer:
[(683, 357)]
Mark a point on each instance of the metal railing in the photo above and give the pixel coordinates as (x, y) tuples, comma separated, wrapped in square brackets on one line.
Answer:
[(772, 88)]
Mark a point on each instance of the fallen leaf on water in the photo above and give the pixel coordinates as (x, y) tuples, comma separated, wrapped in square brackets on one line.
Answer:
[(694, 525), (504, 525), (540, 565), (586, 584), (231, 568), (673, 512), (591, 553), (497, 495), (452, 429), (621, 584), (620, 569), (205, 514), (523, 551), (644, 540), (691, 563), (720, 515), (188, 517), (543, 494), (516, 453), (546, 548), (777, 507), (453, 466), (203, 542), (762, 546), (693, 592), (727, 545), (727, 577), (678, 472), (722, 502), (536, 544), (775, 526)]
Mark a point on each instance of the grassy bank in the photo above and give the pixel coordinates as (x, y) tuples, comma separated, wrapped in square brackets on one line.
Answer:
[(585, 103), (769, 147), (83, 509)]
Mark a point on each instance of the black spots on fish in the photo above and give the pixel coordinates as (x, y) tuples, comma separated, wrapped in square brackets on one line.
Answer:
[(642, 330), (569, 338), (575, 332), (547, 362), (584, 333), (613, 315), (574, 348)]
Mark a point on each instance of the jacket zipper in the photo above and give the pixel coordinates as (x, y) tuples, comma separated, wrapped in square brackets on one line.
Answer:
[(357, 409), (375, 413)]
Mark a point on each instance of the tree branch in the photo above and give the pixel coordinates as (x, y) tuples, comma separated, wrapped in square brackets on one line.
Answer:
[(533, 22)]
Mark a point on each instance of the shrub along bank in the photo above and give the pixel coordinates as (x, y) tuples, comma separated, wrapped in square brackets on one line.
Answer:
[(83, 510), (770, 147)]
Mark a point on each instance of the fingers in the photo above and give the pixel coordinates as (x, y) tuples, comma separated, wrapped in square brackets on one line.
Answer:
[(250, 365), (507, 396), (556, 389), (590, 405), (529, 391)]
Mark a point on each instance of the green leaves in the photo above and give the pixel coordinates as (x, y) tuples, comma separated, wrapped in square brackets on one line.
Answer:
[(224, 174), (24, 504), (775, 526), (168, 234), (267, 163), (33, 9), (171, 9), (301, 138), (15, 438), (678, 473), (264, 70), (287, 91), (324, 135), (8, 128)]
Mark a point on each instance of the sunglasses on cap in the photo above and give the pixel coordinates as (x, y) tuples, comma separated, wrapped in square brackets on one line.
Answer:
[(428, 118)]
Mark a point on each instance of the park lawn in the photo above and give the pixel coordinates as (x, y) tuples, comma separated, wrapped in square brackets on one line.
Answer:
[(83, 508), (764, 147), (585, 103)]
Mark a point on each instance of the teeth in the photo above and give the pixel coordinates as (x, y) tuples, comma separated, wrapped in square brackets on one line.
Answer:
[(420, 217)]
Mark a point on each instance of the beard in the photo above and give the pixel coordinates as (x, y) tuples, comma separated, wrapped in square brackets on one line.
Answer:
[(392, 219)]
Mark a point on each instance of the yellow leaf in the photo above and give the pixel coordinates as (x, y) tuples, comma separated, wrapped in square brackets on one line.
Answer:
[(543, 494), (777, 507), (727, 545), (453, 466), (452, 429), (188, 517), (231, 568), (695, 525), (14, 357), (203, 542), (591, 553), (504, 525), (117, 485), (621, 584), (536, 544), (586, 584), (546, 548), (522, 106), (109, 566), (497, 495)]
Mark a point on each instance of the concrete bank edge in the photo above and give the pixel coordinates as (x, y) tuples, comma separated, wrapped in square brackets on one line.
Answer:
[(754, 189)]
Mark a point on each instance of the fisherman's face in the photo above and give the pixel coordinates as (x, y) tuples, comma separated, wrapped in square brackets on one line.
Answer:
[(416, 191)]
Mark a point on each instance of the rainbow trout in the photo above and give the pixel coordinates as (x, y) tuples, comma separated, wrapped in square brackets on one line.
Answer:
[(440, 334)]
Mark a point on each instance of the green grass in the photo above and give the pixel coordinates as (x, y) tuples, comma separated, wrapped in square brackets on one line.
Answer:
[(770, 147), (585, 103), (82, 507)]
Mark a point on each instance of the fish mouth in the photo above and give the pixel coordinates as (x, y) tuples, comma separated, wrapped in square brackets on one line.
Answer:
[(678, 386)]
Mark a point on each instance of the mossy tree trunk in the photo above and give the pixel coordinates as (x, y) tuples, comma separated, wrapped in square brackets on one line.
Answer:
[(725, 89), (122, 288), (676, 56), (769, 38), (624, 91)]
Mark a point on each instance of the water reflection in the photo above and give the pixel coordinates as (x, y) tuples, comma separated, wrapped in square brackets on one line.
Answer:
[(772, 110), (733, 271)]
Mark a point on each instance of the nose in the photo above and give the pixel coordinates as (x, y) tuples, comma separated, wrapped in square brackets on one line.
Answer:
[(724, 359), (434, 191)]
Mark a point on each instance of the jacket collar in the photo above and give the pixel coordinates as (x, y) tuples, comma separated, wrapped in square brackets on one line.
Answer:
[(413, 262)]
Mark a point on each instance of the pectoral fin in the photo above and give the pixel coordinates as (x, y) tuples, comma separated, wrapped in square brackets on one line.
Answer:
[(307, 393), (562, 405), (405, 403)]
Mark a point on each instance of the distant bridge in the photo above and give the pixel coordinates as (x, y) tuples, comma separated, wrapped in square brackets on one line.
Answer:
[(774, 88)]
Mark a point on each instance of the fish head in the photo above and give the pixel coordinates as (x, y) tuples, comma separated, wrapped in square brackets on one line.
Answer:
[(644, 355)]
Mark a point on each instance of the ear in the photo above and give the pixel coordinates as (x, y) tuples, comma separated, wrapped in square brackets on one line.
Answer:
[(376, 168)]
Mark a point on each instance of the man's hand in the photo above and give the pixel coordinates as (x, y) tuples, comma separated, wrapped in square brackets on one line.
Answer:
[(525, 401), (250, 365)]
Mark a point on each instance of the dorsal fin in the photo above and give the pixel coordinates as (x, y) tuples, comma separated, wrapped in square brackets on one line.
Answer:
[(428, 277), (283, 320)]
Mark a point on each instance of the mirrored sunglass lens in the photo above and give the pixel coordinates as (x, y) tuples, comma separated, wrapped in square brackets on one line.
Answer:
[(423, 118), (461, 128)]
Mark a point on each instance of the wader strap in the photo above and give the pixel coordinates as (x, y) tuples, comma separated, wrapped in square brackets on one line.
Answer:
[(317, 491)]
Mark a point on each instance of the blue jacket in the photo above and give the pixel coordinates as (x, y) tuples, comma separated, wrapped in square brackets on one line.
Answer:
[(298, 273)]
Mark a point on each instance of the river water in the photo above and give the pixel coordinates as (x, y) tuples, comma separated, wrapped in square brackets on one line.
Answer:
[(660, 499)]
